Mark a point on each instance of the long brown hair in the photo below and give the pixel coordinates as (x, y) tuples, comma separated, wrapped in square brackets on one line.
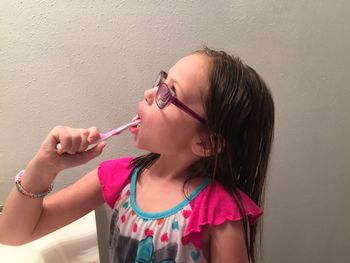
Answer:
[(239, 112)]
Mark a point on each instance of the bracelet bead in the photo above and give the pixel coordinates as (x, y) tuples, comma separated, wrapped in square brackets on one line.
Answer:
[(23, 191)]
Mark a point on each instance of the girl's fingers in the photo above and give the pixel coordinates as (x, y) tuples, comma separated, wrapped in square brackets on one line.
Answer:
[(84, 144), (76, 140), (83, 157), (82, 141), (94, 135), (73, 147), (88, 136), (64, 138)]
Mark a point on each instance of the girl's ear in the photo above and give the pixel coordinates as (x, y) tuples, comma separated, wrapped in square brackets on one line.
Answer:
[(205, 146)]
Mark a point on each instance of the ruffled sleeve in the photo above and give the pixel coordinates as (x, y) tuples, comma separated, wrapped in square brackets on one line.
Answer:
[(212, 207), (113, 176)]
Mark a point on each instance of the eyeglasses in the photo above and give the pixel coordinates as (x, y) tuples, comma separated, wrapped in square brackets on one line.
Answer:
[(165, 96)]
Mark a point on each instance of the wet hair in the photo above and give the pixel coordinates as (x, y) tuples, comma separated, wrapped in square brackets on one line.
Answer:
[(239, 113)]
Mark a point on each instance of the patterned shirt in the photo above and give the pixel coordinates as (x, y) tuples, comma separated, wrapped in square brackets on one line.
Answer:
[(174, 235)]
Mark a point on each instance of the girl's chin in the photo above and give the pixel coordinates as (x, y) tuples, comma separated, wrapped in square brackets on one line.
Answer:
[(137, 143), (141, 146)]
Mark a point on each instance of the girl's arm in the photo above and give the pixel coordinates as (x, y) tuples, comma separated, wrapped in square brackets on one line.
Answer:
[(25, 219), (227, 243)]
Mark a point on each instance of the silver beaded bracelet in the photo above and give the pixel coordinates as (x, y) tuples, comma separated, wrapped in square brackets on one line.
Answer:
[(23, 191)]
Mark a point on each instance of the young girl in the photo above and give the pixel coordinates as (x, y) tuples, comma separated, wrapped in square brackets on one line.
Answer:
[(208, 125)]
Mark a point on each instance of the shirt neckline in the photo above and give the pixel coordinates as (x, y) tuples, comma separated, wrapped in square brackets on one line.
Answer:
[(166, 213)]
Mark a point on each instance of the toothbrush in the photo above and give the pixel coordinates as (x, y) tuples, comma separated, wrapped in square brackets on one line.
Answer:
[(107, 135)]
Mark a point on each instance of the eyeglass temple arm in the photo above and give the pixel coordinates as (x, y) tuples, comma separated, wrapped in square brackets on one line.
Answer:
[(179, 104)]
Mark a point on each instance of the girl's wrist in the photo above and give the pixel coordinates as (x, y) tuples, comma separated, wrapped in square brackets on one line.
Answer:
[(38, 175), (44, 163), (25, 192)]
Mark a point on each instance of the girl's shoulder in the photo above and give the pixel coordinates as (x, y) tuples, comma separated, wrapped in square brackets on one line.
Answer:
[(113, 164), (113, 176), (217, 200), (212, 207)]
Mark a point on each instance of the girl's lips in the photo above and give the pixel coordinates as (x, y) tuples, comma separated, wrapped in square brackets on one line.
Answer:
[(134, 129)]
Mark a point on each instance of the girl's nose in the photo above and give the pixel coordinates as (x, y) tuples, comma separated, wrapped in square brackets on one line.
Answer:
[(149, 95)]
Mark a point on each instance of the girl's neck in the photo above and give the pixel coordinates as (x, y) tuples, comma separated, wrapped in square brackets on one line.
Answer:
[(170, 168)]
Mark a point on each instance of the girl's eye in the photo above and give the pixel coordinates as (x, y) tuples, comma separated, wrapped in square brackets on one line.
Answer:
[(173, 91)]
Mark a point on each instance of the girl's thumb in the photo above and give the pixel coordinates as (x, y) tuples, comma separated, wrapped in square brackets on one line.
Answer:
[(88, 155), (95, 151)]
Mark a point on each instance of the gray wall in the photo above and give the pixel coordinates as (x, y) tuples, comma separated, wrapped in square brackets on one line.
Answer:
[(84, 63)]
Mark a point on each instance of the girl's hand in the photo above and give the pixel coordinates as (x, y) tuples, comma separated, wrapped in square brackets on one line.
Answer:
[(73, 151)]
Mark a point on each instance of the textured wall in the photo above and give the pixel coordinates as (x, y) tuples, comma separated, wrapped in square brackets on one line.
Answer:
[(84, 63)]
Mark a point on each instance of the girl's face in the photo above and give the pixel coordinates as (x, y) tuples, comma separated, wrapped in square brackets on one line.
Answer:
[(170, 130)]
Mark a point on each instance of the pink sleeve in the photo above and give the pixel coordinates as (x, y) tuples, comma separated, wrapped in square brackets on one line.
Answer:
[(212, 207), (113, 176)]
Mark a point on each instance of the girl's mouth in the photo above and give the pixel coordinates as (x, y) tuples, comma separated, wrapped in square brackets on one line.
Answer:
[(134, 129)]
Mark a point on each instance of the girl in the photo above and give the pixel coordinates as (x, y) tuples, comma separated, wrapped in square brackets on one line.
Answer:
[(208, 125)]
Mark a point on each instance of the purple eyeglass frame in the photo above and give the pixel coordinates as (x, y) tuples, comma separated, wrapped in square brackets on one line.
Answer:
[(172, 99)]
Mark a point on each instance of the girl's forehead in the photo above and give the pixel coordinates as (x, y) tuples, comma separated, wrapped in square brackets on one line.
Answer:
[(192, 66), (191, 74)]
